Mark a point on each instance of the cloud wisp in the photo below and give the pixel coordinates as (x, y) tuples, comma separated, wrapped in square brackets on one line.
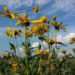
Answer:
[(19, 3)]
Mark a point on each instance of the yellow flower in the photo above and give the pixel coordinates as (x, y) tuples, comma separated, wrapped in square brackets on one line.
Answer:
[(58, 26), (5, 54), (7, 34), (63, 51), (43, 19), (17, 33), (72, 40), (8, 13), (62, 59), (53, 41), (52, 67), (69, 54), (23, 21), (51, 55), (36, 9), (14, 65), (38, 52), (50, 42), (11, 60), (39, 29), (54, 17), (28, 33), (52, 60), (43, 52), (11, 33)]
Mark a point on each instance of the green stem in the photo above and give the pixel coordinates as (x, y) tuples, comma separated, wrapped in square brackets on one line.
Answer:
[(49, 50), (48, 30), (56, 40), (26, 56), (11, 24), (17, 46), (12, 29)]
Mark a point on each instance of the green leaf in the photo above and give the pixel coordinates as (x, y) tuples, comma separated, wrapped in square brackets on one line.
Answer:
[(12, 47), (73, 50), (39, 47), (41, 38)]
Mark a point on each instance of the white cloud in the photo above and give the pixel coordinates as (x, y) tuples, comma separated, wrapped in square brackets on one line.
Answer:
[(43, 2), (66, 38), (19, 3), (21, 49), (35, 44), (67, 6), (16, 3)]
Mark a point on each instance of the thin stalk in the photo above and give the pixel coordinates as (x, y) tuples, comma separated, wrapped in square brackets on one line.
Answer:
[(49, 51), (17, 46), (26, 56), (56, 40), (12, 28)]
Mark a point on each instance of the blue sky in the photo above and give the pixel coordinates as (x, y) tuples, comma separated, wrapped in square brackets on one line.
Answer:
[(64, 9)]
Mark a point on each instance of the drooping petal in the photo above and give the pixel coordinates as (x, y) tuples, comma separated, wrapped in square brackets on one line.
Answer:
[(6, 33), (36, 21), (19, 18), (2, 13), (17, 13), (37, 7), (6, 9), (4, 16), (25, 16), (60, 23), (9, 29), (18, 23), (12, 15)]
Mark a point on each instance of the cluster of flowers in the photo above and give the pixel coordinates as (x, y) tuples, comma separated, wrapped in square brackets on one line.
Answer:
[(45, 60)]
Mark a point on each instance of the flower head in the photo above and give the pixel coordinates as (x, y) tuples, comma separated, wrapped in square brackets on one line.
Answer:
[(23, 21), (58, 26), (54, 17), (43, 19), (39, 29), (5, 54), (36, 9), (38, 52), (12, 33), (9, 13), (29, 34), (72, 40), (63, 51)]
